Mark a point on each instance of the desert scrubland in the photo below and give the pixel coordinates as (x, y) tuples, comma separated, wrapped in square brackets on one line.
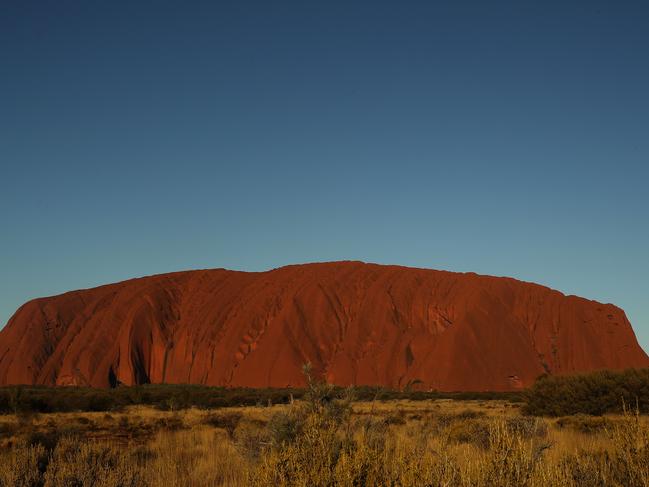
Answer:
[(326, 438)]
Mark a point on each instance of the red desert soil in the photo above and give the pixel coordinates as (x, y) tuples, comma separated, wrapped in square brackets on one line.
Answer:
[(357, 323)]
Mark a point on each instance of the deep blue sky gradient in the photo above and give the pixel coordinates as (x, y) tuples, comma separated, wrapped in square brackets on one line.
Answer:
[(505, 138)]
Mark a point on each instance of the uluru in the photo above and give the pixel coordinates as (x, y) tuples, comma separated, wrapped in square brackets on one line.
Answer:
[(356, 323)]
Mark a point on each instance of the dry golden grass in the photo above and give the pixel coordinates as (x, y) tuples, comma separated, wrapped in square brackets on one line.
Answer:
[(328, 443)]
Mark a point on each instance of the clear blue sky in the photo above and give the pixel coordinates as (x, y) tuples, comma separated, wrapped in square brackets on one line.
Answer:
[(505, 138)]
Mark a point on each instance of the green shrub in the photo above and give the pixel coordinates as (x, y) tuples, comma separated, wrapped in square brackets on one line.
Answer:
[(594, 394)]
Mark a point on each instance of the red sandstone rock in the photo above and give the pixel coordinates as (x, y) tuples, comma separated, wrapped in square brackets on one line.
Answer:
[(356, 323)]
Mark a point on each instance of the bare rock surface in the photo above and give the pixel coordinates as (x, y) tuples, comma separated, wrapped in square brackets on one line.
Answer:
[(356, 323)]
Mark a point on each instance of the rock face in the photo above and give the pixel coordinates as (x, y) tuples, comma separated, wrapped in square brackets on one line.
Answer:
[(356, 323)]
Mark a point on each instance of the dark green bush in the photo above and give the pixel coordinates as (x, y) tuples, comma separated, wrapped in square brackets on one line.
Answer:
[(595, 394)]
